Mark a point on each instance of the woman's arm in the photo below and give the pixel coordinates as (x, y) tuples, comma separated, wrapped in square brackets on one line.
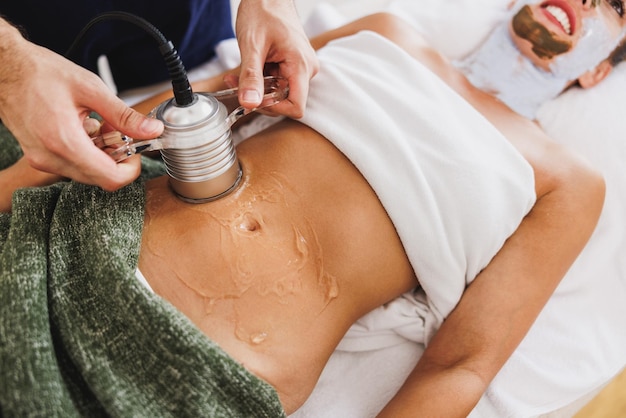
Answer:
[(499, 307), (18, 176)]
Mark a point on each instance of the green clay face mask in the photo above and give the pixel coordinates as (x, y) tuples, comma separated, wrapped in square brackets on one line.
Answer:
[(545, 44)]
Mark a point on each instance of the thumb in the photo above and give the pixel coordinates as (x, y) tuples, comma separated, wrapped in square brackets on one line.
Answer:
[(251, 80), (129, 121)]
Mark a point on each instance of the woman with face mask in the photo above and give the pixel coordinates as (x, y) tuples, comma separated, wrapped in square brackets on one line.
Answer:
[(334, 218)]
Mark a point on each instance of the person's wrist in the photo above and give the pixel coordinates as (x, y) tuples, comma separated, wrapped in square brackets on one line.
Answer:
[(9, 36), (10, 39), (10, 45)]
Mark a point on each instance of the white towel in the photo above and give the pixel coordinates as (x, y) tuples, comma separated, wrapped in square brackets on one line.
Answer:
[(453, 186)]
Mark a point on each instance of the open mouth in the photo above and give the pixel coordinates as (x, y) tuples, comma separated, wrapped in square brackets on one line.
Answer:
[(560, 15)]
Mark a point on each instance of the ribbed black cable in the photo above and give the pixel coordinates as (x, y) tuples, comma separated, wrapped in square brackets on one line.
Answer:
[(183, 93)]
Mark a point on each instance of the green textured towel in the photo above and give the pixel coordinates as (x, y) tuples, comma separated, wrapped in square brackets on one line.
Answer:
[(80, 336)]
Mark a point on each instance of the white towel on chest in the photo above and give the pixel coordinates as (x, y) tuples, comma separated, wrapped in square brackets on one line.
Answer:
[(454, 188)]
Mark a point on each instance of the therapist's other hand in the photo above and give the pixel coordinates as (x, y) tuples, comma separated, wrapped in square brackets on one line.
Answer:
[(44, 100), (270, 32)]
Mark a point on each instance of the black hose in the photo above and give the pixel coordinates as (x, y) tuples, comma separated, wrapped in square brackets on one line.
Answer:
[(183, 94)]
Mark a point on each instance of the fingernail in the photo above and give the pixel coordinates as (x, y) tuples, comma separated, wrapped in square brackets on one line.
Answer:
[(251, 96), (150, 125)]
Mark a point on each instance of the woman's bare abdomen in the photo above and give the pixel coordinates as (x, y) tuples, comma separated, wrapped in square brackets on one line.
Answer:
[(278, 270)]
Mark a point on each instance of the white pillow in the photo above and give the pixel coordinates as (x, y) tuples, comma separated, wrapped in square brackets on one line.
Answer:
[(453, 27)]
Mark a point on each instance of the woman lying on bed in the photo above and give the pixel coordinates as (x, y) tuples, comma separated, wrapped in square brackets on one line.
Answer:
[(359, 203)]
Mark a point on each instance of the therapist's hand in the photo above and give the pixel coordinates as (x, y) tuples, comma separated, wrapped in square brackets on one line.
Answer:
[(270, 32), (44, 100)]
